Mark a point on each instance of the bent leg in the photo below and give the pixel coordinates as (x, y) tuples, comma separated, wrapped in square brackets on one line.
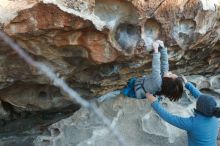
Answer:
[(129, 89), (109, 95)]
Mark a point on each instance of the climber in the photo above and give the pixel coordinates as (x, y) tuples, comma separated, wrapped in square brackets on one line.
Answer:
[(202, 128), (160, 82)]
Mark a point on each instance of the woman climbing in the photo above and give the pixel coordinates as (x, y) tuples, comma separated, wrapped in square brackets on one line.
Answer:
[(160, 82)]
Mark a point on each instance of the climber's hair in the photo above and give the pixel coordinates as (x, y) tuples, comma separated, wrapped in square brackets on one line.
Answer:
[(216, 112), (172, 88)]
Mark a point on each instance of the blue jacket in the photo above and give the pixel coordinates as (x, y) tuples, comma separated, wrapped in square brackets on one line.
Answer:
[(201, 130)]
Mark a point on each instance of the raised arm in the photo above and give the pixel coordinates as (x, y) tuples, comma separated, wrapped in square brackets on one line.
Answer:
[(156, 74), (164, 61), (193, 90), (164, 58), (156, 66), (180, 122)]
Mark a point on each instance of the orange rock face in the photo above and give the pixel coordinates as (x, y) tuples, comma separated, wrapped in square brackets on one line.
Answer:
[(74, 31), (96, 46)]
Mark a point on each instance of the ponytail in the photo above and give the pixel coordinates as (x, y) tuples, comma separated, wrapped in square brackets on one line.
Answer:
[(216, 112)]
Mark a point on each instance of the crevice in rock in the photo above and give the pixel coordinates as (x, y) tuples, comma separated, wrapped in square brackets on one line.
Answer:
[(215, 82), (183, 33), (31, 124), (152, 32), (114, 12), (157, 7), (43, 94), (128, 37), (40, 96), (30, 108), (45, 142), (55, 132)]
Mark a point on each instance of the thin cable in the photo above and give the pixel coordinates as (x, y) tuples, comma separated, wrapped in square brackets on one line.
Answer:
[(74, 96)]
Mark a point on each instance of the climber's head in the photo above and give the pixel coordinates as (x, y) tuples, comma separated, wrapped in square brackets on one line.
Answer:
[(172, 86)]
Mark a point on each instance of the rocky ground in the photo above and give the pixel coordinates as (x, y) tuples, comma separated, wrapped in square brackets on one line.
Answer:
[(135, 120)]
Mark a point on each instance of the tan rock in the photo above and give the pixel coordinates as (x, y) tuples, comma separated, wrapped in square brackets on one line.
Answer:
[(96, 46)]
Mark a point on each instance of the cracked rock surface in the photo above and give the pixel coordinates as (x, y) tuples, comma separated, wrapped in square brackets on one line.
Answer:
[(135, 119), (96, 46)]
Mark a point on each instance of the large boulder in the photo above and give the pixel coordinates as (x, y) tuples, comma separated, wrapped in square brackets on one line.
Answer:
[(97, 45), (137, 123)]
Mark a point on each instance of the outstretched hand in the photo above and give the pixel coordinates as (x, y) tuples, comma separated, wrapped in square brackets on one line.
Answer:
[(156, 45), (161, 43), (150, 97)]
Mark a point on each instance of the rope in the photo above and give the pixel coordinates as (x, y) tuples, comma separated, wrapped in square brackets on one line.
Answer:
[(74, 96)]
